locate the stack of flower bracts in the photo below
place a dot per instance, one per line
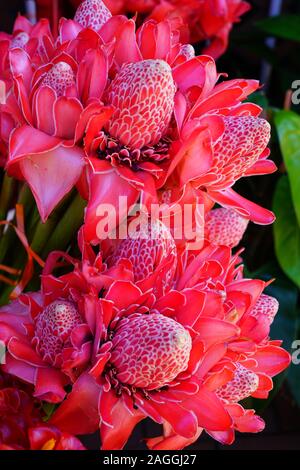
(149, 325)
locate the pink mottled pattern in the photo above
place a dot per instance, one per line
(92, 14)
(187, 51)
(143, 97)
(153, 245)
(244, 140)
(267, 306)
(243, 384)
(59, 77)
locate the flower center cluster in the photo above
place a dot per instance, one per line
(149, 351)
(92, 14)
(53, 328)
(117, 154)
(20, 40)
(243, 384)
(142, 95)
(59, 78)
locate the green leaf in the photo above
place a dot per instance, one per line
(288, 128)
(284, 26)
(286, 231)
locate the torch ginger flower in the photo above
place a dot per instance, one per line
(174, 356)
(50, 122)
(48, 334)
(160, 111)
(22, 426)
(184, 358)
(159, 380)
(197, 132)
(51, 329)
(233, 143)
(197, 20)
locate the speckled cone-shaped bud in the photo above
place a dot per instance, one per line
(53, 328)
(92, 14)
(149, 351)
(143, 97)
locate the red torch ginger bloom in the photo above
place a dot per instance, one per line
(53, 327)
(152, 254)
(54, 334)
(149, 351)
(225, 227)
(54, 104)
(251, 360)
(25, 36)
(49, 334)
(243, 141)
(244, 383)
(165, 141)
(28, 335)
(92, 14)
(233, 143)
(142, 96)
(129, 150)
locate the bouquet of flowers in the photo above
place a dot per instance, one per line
(117, 141)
